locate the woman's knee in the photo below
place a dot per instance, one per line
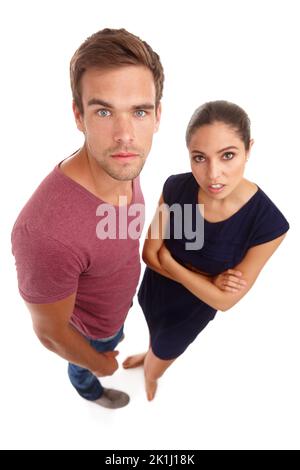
(154, 367)
(151, 374)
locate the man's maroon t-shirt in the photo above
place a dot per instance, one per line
(59, 248)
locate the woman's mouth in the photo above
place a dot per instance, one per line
(216, 188)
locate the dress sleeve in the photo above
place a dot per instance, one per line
(47, 270)
(168, 189)
(270, 224)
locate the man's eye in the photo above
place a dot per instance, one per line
(228, 155)
(140, 113)
(103, 112)
(199, 158)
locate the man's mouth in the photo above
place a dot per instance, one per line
(124, 155)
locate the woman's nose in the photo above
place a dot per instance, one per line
(214, 171)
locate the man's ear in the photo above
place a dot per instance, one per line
(78, 117)
(158, 116)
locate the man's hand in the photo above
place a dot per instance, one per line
(109, 364)
(230, 281)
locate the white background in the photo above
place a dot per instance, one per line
(238, 385)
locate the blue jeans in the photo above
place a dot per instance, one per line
(86, 383)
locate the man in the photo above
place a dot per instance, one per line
(77, 278)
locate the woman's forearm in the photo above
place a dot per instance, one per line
(198, 284)
(153, 263)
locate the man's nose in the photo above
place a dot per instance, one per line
(123, 130)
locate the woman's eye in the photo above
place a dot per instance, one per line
(103, 112)
(228, 155)
(140, 113)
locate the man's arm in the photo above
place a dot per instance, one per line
(51, 323)
(253, 262)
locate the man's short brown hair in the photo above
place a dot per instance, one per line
(112, 48)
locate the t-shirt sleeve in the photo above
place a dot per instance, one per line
(270, 224)
(47, 270)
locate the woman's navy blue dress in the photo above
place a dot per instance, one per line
(174, 315)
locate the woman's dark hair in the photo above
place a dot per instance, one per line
(220, 111)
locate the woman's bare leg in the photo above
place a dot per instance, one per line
(134, 361)
(154, 368)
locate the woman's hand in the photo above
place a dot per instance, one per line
(230, 281)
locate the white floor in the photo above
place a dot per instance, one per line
(237, 387)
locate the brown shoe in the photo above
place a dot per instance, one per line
(113, 399)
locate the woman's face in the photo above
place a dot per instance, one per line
(218, 158)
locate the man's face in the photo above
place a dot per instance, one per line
(119, 118)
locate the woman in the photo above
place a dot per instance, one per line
(183, 288)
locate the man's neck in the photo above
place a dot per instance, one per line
(92, 177)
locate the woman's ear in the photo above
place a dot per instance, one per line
(250, 144)
(249, 150)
